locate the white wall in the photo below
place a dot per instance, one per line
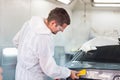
(43, 7)
(12, 15)
(105, 22)
(99, 22)
(80, 26)
(79, 31)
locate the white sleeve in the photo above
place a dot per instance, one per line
(47, 62)
(16, 39)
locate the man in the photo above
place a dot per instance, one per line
(35, 48)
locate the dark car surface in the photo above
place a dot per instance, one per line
(101, 64)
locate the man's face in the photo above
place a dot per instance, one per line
(59, 28)
(56, 28)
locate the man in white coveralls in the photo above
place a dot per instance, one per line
(35, 48)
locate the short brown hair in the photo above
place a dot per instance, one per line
(60, 15)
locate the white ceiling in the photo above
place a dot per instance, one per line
(76, 4)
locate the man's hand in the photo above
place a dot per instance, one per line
(73, 75)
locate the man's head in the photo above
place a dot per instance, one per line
(58, 19)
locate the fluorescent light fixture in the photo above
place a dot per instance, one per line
(107, 5)
(65, 1)
(10, 52)
(106, 1)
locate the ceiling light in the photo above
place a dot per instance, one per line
(65, 1)
(107, 5)
(10, 52)
(106, 1)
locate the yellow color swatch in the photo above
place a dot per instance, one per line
(82, 72)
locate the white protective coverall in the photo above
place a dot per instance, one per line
(35, 53)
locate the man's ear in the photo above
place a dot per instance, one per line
(53, 23)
